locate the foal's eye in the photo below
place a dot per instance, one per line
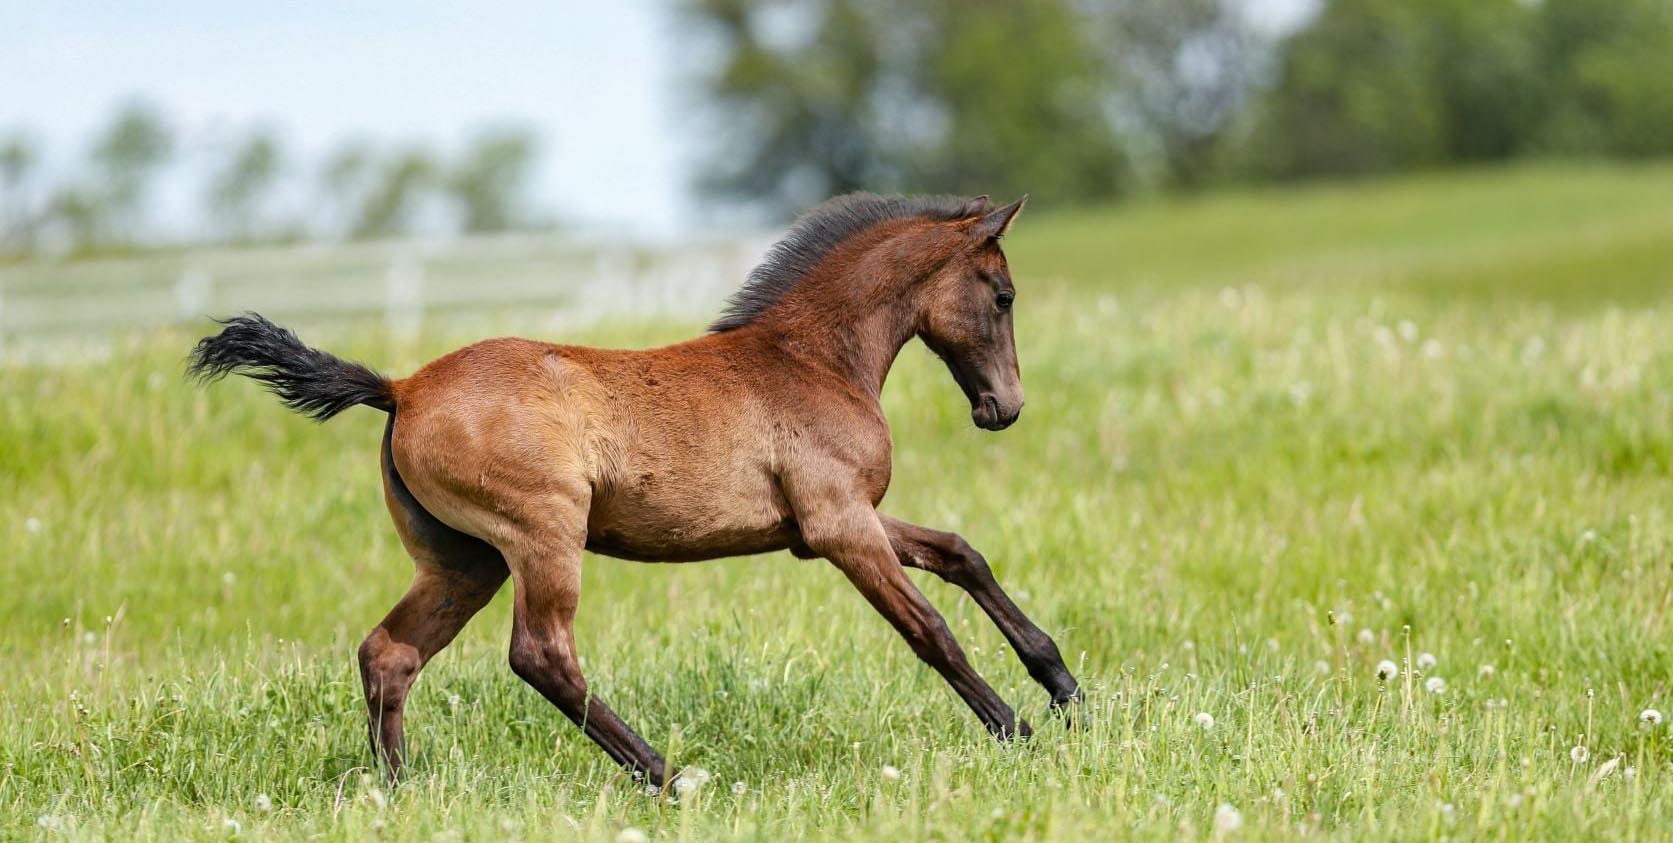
(1005, 299)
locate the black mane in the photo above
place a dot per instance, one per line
(813, 236)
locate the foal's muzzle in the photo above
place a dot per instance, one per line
(988, 415)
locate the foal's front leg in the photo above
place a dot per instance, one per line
(852, 537)
(950, 557)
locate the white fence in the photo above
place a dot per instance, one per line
(402, 282)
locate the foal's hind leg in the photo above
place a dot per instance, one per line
(435, 608)
(545, 563)
(951, 558)
(456, 576)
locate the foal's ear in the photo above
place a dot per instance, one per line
(975, 207)
(995, 223)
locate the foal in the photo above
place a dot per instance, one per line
(511, 456)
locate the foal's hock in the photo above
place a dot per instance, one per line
(510, 457)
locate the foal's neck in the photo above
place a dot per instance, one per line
(856, 311)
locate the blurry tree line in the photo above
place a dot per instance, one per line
(255, 190)
(1079, 100)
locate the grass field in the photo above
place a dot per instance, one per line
(1272, 440)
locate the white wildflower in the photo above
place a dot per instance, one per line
(1426, 661)
(1205, 720)
(264, 803)
(1387, 670)
(453, 700)
(1227, 819)
(891, 773)
(1484, 672)
(1649, 718)
(739, 788)
(1435, 685)
(632, 835)
(1579, 754)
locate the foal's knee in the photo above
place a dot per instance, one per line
(550, 667)
(387, 669)
(961, 564)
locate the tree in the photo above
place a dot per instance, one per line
(1611, 65)
(394, 194)
(126, 157)
(18, 159)
(1183, 71)
(820, 97)
(488, 182)
(344, 180)
(797, 118)
(1373, 86)
(244, 181)
(1023, 104)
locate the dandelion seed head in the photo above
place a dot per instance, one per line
(1435, 685)
(1367, 637)
(231, 827)
(632, 835)
(739, 788)
(1227, 819)
(1484, 672)
(1321, 666)
(1426, 661)
(1649, 717)
(1205, 720)
(264, 803)
(1387, 670)
(32, 524)
(1579, 754)
(890, 772)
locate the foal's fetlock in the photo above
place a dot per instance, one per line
(1067, 705)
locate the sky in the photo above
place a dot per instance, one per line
(599, 82)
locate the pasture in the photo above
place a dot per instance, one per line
(1272, 440)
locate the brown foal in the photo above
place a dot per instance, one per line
(510, 457)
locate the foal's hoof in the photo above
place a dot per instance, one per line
(1068, 707)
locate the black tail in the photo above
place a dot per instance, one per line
(308, 380)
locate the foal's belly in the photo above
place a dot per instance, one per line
(649, 521)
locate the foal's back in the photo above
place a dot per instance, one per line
(677, 449)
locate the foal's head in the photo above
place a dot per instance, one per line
(930, 264)
(965, 315)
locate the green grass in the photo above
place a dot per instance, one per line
(1271, 440)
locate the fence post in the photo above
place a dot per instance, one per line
(191, 292)
(404, 293)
